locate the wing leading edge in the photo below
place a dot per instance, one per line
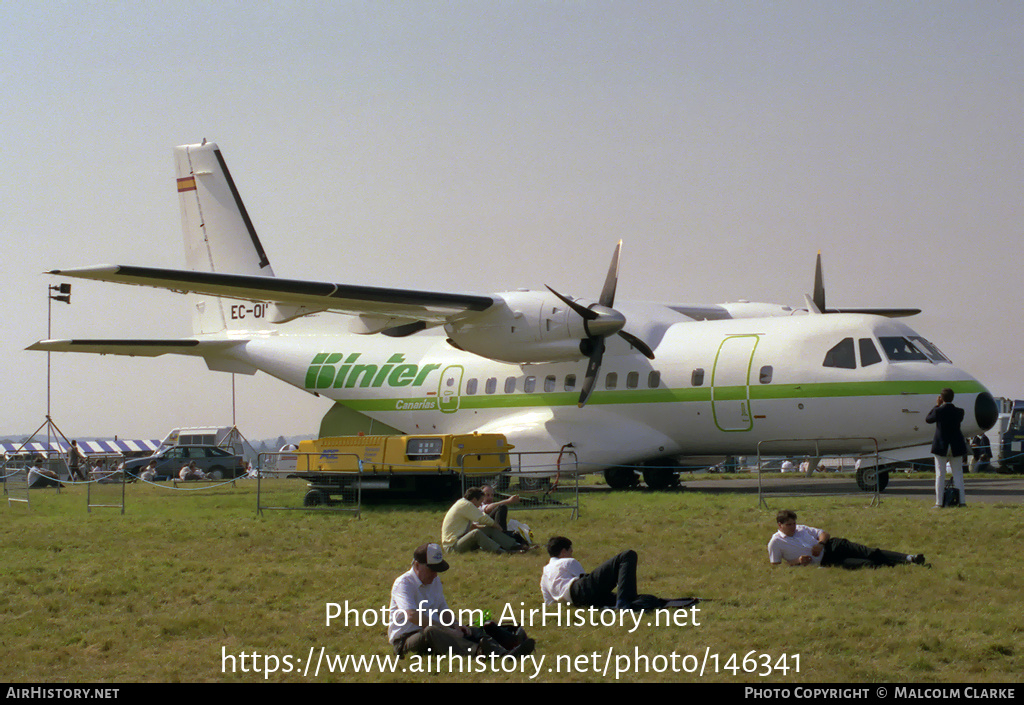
(435, 307)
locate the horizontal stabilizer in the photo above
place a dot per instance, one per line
(340, 298)
(137, 347)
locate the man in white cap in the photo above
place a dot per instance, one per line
(421, 621)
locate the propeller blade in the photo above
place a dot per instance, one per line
(640, 345)
(819, 286)
(611, 280)
(583, 311)
(592, 367)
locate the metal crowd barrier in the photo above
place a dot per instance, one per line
(539, 484)
(323, 486)
(815, 453)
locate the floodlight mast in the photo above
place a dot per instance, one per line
(63, 293)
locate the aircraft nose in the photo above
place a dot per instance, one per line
(986, 411)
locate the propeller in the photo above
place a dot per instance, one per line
(600, 320)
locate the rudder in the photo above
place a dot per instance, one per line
(219, 236)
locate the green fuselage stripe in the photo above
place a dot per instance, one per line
(665, 396)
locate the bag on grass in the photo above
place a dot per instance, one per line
(950, 495)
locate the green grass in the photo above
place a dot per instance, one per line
(155, 595)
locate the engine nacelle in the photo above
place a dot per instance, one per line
(526, 326)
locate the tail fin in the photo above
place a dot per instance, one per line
(219, 237)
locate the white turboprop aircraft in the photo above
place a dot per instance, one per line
(544, 369)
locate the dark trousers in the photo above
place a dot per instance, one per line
(44, 481)
(438, 640)
(852, 555)
(500, 516)
(612, 584)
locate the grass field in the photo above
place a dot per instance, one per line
(161, 593)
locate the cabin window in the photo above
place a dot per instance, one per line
(549, 383)
(654, 379)
(570, 382)
(632, 380)
(899, 349)
(611, 381)
(529, 384)
(491, 386)
(868, 352)
(766, 374)
(510, 385)
(841, 355)
(471, 386)
(697, 378)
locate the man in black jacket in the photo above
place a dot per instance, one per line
(948, 445)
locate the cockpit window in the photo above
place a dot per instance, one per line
(842, 355)
(901, 350)
(868, 352)
(933, 353)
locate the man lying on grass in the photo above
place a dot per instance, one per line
(796, 544)
(611, 585)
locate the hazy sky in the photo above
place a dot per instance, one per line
(481, 146)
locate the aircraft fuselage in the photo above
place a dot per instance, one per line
(715, 387)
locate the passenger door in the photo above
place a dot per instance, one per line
(730, 383)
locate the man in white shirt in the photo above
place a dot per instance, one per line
(497, 510)
(191, 472)
(38, 476)
(421, 621)
(612, 584)
(797, 545)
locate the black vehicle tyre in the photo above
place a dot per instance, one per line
(314, 498)
(216, 473)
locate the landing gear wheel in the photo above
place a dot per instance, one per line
(534, 484)
(314, 498)
(621, 478)
(661, 478)
(866, 479)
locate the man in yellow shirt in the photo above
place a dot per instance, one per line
(467, 528)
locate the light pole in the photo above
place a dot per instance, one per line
(63, 293)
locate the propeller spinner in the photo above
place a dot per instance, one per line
(600, 320)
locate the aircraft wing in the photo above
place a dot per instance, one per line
(436, 307)
(887, 312)
(745, 309)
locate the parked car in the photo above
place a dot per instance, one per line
(218, 463)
